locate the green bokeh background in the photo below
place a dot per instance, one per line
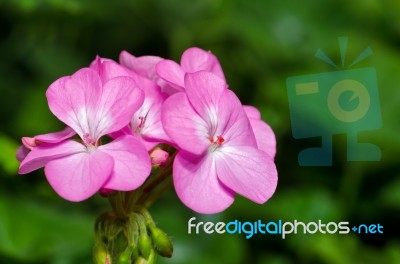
(260, 44)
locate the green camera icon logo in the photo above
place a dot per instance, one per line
(339, 102)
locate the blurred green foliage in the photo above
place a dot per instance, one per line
(260, 44)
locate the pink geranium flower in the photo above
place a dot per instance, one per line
(92, 107)
(192, 60)
(218, 154)
(146, 121)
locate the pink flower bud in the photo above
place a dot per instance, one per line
(159, 157)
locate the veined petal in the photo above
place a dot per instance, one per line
(29, 143)
(247, 171)
(96, 64)
(171, 72)
(233, 123)
(183, 125)
(90, 108)
(203, 90)
(252, 112)
(79, 176)
(146, 121)
(195, 59)
(265, 136)
(119, 100)
(109, 69)
(44, 153)
(132, 163)
(197, 185)
(22, 152)
(56, 137)
(144, 65)
(74, 99)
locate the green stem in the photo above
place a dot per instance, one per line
(164, 173)
(145, 213)
(152, 185)
(150, 200)
(131, 199)
(117, 204)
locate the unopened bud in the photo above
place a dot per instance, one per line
(120, 243)
(101, 254)
(162, 242)
(151, 259)
(159, 157)
(145, 246)
(125, 257)
(134, 251)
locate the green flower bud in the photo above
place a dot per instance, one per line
(150, 260)
(101, 254)
(133, 231)
(134, 251)
(120, 242)
(125, 257)
(162, 242)
(145, 246)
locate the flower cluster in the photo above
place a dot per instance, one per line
(124, 120)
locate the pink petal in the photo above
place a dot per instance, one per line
(252, 112)
(232, 122)
(171, 72)
(203, 90)
(44, 153)
(124, 131)
(145, 65)
(86, 106)
(183, 125)
(197, 185)
(73, 99)
(120, 99)
(146, 121)
(148, 143)
(79, 176)
(22, 152)
(132, 163)
(110, 69)
(57, 136)
(149, 87)
(96, 64)
(195, 59)
(265, 136)
(247, 171)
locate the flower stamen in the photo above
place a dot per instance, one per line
(141, 124)
(87, 140)
(216, 142)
